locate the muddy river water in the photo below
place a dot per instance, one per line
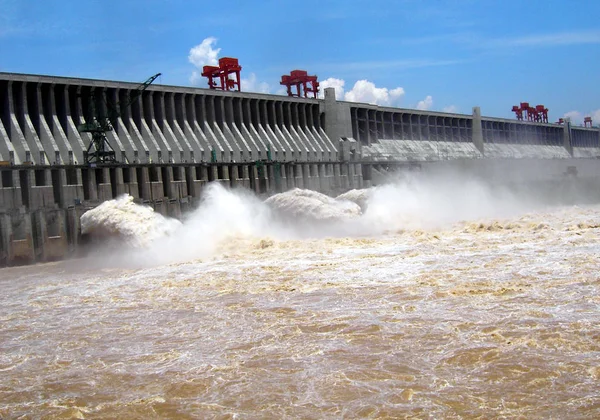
(493, 318)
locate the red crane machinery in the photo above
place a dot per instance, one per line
(521, 110)
(304, 83)
(560, 121)
(228, 66)
(537, 114)
(587, 122)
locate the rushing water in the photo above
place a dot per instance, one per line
(403, 311)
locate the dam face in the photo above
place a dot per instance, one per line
(172, 140)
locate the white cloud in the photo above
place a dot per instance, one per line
(362, 91)
(365, 91)
(337, 84)
(204, 54)
(425, 104)
(577, 117)
(251, 84)
(452, 109)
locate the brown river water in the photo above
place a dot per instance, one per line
(497, 318)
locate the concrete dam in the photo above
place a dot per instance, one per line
(173, 140)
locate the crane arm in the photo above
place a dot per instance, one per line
(115, 109)
(137, 92)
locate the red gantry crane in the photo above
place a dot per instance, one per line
(303, 83)
(537, 114)
(228, 66)
(587, 122)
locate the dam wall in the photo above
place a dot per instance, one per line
(386, 133)
(39, 116)
(171, 141)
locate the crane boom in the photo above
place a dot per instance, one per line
(115, 110)
(99, 125)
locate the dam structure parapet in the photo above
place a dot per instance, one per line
(171, 141)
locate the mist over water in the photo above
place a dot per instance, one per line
(225, 217)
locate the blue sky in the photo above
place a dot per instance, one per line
(441, 55)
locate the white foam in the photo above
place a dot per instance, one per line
(308, 205)
(121, 218)
(230, 216)
(360, 197)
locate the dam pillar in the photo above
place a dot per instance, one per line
(179, 188)
(4, 238)
(117, 182)
(358, 183)
(273, 179)
(50, 234)
(337, 178)
(477, 130)
(282, 186)
(90, 193)
(155, 181)
(338, 118)
(225, 175)
(68, 186)
(73, 227)
(254, 181)
(195, 181)
(323, 179)
(315, 181)
(306, 178)
(351, 175)
(567, 136)
(20, 239)
(234, 176)
(245, 181)
(38, 182)
(175, 190)
(299, 176)
(130, 181)
(10, 190)
(143, 181)
(103, 184)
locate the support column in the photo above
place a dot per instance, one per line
(234, 176)
(20, 247)
(283, 185)
(27, 153)
(246, 176)
(10, 190)
(477, 130)
(143, 180)
(291, 176)
(299, 176)
(568, 136)
(337, 180)
(5, 232)
(55, 129)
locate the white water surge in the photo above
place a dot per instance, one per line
(225, 217)
(123, 219)
(310, 205)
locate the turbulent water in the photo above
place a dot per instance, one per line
(415, 302)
